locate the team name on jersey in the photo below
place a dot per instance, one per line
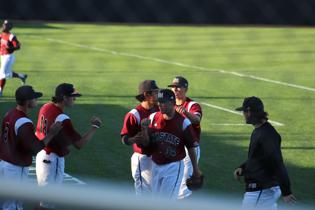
(159, 137)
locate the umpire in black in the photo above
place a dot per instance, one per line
(265, 174)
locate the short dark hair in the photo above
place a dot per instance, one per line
(56, 99)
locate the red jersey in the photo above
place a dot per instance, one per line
(194, 108)
(48, 114)
(18, 143)
(132, 125)
(7, 41)
(170, 138)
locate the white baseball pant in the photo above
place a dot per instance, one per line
(6, 66)
(166, 179)
(262, 199)
(188, 171)
(141, 166)
(49, 171)
(16, 173)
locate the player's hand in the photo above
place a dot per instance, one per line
(181, 110)
(96, 122)
(238, 173)
(55, 128)
(197, 173)
(289, 199)
(145, 123)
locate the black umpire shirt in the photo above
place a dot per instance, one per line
(264, 165)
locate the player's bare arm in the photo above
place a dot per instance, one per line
(193, 158)
(194, 119)
(95, 124)
(53, 131)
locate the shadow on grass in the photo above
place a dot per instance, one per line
(105, 158)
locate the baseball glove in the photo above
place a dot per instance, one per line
(141, 139)
(194, 183)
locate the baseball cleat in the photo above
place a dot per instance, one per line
(24, 79)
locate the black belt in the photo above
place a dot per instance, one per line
(250, 187)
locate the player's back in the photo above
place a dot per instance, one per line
(11, 149)
(46, 117)
(48, 114)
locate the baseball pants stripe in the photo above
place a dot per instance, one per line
(166, 179)
(49, 171)
(188, 171)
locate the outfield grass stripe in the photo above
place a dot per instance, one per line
(178, 63)
(237, 113)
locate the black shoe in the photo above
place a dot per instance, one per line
(24, 79)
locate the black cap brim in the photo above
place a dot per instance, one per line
(76, 95)
(239, 109)
(38, 94)
(175, 85)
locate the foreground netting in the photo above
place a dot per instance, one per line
(109, 196)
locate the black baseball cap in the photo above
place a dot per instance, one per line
(179, 81)
(166, 95)
(7, 25)
(145, 86)
(252, 104)
(26, 92)
(66, 89)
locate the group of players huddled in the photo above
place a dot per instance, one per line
(164, 130)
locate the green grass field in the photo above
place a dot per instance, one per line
(107, 62)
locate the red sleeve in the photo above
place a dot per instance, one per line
(131, 126)
(196, 109)
(190, 139)
(28, 140)
(70, 133)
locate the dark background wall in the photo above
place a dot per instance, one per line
(283, 12)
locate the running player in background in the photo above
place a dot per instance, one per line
(141, 162)
(168, 133)
(50, 162)
(18, 143)
(191, 110)
(8, 44)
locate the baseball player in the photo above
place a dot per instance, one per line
(8, 44)
(18, 143)
(170, 133)
(191, 110)
(141, 162)
(265, 174)
(50, 162)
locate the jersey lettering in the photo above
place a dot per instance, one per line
(6, 132)
(43, 125)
